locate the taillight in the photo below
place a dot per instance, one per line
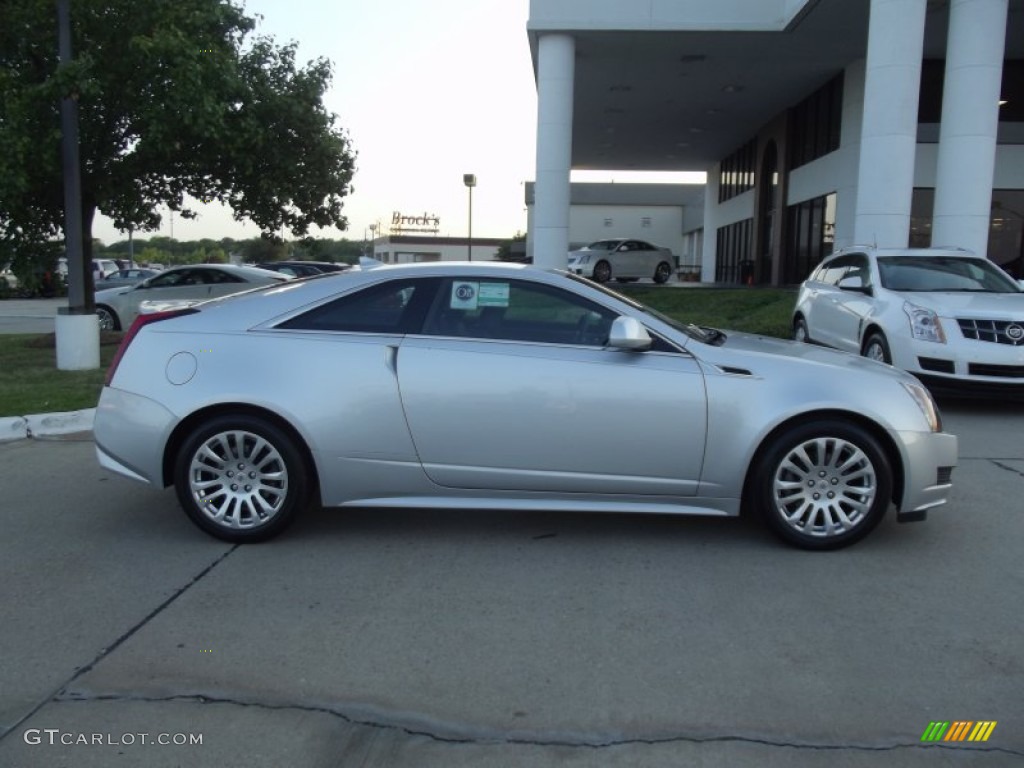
(136, 326)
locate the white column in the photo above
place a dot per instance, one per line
(78, 342)
(849, 154)
(556, 70)
(885, 183)
(970, 118)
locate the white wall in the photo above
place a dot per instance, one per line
(587, 224)
(403, 253)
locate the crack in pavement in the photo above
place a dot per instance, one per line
(104, 652)
(1014, 470)
(495, 737)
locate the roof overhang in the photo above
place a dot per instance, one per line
(661, 94)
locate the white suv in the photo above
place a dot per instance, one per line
(946, 315)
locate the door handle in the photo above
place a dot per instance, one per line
(391, 358)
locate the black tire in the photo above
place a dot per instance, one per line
(800, 332)
(662, 273)
(796, 472)
(602, 271)
(250, 449)
(109, 321)
(877, 348)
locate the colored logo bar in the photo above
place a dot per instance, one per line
(959, 730)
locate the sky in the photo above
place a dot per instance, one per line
(427, 90)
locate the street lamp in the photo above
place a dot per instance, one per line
(470, 181)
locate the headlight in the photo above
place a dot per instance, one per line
(581, 260)
(924, 324)
(927, 405)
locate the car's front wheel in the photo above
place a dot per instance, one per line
(241, 478)
(877, 348)
(663, 272)
(822, 485)
(602, 271)
(800, 330)
(108, 318)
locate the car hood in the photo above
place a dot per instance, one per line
(740, 347)
(965, 304)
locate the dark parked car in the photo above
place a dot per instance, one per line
(303, 268)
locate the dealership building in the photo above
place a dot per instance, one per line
(820, 123)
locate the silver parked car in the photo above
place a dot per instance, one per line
(623, 259)
(118, 307)
(495, 386)
(125, 277)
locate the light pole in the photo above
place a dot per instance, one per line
(373, 241)
(76, 327)
(470, 181)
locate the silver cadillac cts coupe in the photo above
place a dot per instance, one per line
(493, 386)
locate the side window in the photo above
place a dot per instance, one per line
(219, 276)
(393, 307)
(836, 269)
(859, 268)
(171, 279)
(517, 310)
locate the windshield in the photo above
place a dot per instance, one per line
(943, 274)
(705, 335)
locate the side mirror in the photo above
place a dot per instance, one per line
(629, 333)
(1021, 283)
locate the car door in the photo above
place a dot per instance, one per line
(825, 319)
(510, 386)
(629, 258)
(850, 302)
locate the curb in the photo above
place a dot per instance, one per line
(46, 424)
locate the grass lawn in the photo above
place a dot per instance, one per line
(31, 383)
(755, 310)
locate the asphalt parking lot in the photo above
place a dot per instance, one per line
(396, 638)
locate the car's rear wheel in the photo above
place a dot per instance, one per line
(602, 271)
(877, 348)
(822, 485)
(108, 318)
(663, 272)
(800, 330)
(240, 478)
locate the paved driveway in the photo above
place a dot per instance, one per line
(398, 638)
(29, 315)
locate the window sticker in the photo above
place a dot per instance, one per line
(493, 295)
(464, 295)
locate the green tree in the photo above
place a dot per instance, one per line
(506, 251)
(174, 98)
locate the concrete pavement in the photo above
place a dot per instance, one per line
(399, 638)
(29, 315)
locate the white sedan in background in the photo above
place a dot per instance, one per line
(953, 319)
(118, 307)
(623, 260)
